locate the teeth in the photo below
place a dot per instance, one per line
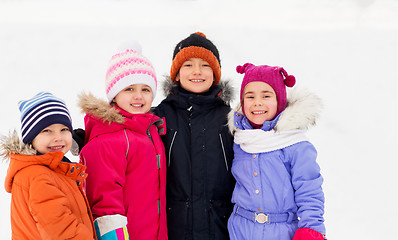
(55, 148)
(136, 105)
(258, 112)
(197, 80)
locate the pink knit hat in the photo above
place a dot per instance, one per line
(276, 77)
(129, 67)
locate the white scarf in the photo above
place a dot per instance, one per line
(258, 141)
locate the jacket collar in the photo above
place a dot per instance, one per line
(102, 118)
(224, 91)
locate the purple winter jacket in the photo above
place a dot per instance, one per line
(276, 173)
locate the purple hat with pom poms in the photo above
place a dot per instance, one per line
(276, 77)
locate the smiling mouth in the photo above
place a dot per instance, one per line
(137, 105)
(258, 112)
(56, 148)
(197, 80)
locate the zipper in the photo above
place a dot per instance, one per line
(171, 146)
(223, 151)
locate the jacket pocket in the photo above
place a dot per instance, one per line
(177, 218)
(226, 142)
(223, 151)
(173, 134)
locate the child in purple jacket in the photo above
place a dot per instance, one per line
(278, 193)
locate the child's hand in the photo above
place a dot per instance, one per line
(78, 138)
(308, 234)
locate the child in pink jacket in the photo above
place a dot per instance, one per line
(124, 154)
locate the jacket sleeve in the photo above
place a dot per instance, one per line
(106, 168)
(307, 182)
(51, 209)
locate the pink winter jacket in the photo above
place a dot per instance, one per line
(126, 163)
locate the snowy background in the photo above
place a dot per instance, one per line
(344, 50)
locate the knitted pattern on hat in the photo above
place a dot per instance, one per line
(129, 67)
(41, 111)
(276, 77)
(196, 46)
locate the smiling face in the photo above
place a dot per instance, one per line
(54, 138)
(195, 75)
(259, 102)
(135, 99)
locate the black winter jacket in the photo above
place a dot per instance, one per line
(199, 159)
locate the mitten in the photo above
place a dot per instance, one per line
(111, 227)
(308, 234)
(78, 141)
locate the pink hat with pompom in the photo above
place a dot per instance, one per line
(127, 67)
(276, 77)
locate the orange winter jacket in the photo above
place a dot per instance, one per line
(47, 200)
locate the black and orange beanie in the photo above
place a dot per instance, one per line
(196, 46)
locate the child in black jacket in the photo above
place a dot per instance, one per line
(197, 141)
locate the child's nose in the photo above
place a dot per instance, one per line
(137, 95)
(197, 69)
(57, 136)
(258, 102)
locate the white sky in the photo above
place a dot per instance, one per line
(344, 50)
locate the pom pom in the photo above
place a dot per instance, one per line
(130, 44)
(242, 69)
(201, 34)
(290, 81)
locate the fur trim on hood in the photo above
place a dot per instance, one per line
(99, 108)
(227, 89)
(302, 111)
(13, 144)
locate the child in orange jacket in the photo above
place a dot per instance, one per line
(47, 200)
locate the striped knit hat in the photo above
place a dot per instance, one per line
(196, 46)
(41, 111)
(128, 66)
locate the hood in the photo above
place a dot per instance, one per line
(227, 89)
(102, 118)
(23, 155)
(302, 111)
(101, 109)
(13, 144)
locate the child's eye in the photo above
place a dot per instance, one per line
(187, 65)
(65, 129)
(146, 90)
(128, 89)
(46, 131)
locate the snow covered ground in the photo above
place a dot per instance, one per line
(344, 50)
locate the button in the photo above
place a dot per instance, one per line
(257, 191)
(254, 156)
(259, 209)
(255, 174)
